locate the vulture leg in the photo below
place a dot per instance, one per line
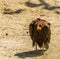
(36, 46)
(43, 49)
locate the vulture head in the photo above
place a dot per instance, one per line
(41, 24)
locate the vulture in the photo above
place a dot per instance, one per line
(40, 33)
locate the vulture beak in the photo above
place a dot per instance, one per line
(39, 27)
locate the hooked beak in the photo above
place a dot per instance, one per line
(39, 27)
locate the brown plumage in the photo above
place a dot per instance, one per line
(40, 33)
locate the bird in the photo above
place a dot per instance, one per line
(40, 33)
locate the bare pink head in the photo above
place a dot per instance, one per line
(39, 21)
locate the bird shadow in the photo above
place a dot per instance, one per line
(57, 12)
(34, 53)
(42, 3)
(47, 6)
(10, 12)
(32, 5)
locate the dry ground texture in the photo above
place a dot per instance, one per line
(15, 17)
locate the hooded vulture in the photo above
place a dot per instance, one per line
(40, 33)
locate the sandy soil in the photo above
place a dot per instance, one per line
(15, 17)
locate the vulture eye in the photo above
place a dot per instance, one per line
(49, 24)
(39, 25)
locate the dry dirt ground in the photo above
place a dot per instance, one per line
(15, 17)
